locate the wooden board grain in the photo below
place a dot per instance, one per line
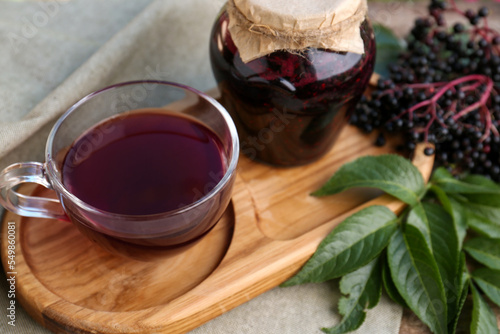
(271, 228)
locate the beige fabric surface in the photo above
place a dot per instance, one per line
(56, 52)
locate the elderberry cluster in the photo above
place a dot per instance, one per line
(443, 92)
(436, 52)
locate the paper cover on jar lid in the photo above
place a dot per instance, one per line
(260, 27)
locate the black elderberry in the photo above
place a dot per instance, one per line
(428, 151)
(441, 35)
(367, 128)
(427, 101)
(443, 156)
(469, 13)
(483, 43)
(483, 12)
(474, 20)
(458, 28)
(380, 141)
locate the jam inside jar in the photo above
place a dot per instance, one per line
(289, 107)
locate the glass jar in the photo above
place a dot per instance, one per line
(289, 107)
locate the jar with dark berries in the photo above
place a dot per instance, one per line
(290, 73)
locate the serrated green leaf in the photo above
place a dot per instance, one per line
(444, 180)
(363, 288)
(462, 275)
(481, 218)
(457, 212)
(416, 276)
(491, 199)
(485, 251)
(352, 321)
(482, 225)
(368, 279)
(452, 327)
(389, 286)
(389, 172)
(489, 212)
(386, 55)
(388, 48)
(462, 290)
(489, 281)
(418, 218)
(483, 318)
(352, 244)
(446, 251)
(480, 180)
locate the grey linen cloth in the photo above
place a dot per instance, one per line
(55, 52)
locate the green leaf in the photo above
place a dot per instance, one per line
(488, 212)
(459, 215)
(389, 172)
(481, 218)
(489, 281)
(446, 251)
(388, 48)
(490, 199)
(480, 180)
(462, 293)
(444, 180)
(483, 318)
(416, 276)
(418, 218)
(363, 287)
(485, 251)
(483, 225)
(452, 327)
(457, 212)
(389, 286)
(352, 244)
(462, 275)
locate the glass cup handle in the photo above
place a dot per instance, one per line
(23, 205)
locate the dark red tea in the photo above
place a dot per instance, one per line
(144, 162)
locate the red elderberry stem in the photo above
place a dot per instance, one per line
(481, 32)
(429, 124)
(455, 8)
(439, 89)
(471, 87)
(487, 122)
(484, 97)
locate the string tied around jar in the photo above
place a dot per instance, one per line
(260, 27)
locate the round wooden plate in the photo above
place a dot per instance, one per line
(272, 227)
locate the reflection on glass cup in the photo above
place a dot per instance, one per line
(145, 163)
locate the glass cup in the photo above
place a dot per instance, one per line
(171, 228)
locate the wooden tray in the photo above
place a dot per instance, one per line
(271, 228)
